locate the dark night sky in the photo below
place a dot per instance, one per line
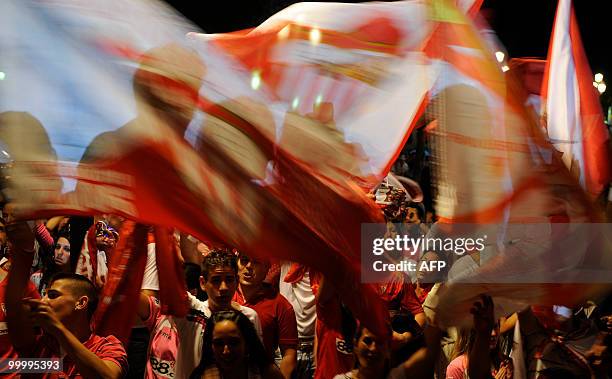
(524, 26)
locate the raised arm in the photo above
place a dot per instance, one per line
(44, 237)
(89, 365)
(20, 326)
(422, 363)
(479, 361)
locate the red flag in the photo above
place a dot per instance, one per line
(575, 121)
(172, 288)
(116, 310)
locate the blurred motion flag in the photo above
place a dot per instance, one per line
(470, 7)
(363, 61)
(497, 177)
(574, 118)
(530, 73)
(259, 140)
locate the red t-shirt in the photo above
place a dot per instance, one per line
(107, 348)
(334, 356)
(399, 294)
(6, 347)
(277, 319)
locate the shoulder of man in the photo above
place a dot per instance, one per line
(109, 348)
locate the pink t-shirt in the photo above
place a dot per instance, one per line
(163, 346)
(457, 369)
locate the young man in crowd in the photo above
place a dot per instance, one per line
(276, 314)
(219, 279)
(64, 315)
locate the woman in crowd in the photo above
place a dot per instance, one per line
(232, 350)
(373, 357)
(58, 262)
(477, 353)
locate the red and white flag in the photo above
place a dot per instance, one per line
(497, 178)
(286, 122)
(574, 118)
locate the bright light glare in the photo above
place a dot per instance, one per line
(595, 84)
(500, 56)
(2, 75)
(315, 36)
(318, 99)
(601, 87)
(295, 103)
(599, 77)
(505, 68)
(255, 80)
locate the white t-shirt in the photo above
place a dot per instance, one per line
(302, 299)
(191, 334)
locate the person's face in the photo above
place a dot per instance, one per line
(424, 276)
(105, 241)
(220, 287)
(370, 351)
(494, 337)
(62, 300)
(62, 252)
(251, 271)
(2, 235)
(412, 215)
(228, 344)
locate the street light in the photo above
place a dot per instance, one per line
(601, 87)
(599, 83)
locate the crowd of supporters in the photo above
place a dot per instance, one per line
(253, 318)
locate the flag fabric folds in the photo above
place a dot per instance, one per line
(263, 140)
(498, 177)
(574, 119)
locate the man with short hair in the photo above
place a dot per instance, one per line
(219, 279)
(64, 315)
(276, 313)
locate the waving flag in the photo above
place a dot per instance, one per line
(574, 119)
(496, 177)
(258, 140)
(363, 61)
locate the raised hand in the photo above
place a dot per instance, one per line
(41, 314)
(484, 319)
